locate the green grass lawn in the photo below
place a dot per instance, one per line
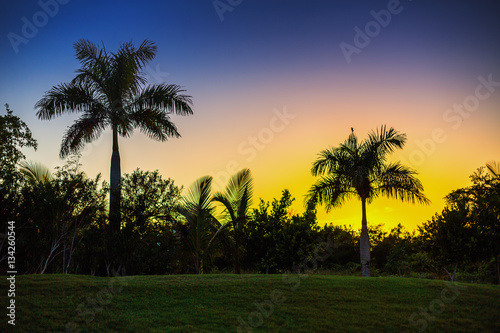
(249, 303)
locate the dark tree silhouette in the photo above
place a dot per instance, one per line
(201, 226)
(237, 199)
(360, 169)
(110, 90)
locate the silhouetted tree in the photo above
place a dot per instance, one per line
(275, 239)
(14, 135)
(360, 169)
(110, 91)
(200, 225)
(484, 197)
(467, 231)
(148, 212)
(393, 252)
(237, 199)
(148, 198)
(54, 215)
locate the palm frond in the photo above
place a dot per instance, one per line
(95, 79)
(199, 194)
(165, 97)
(229, 209)
(328, 161)
(331, 191)
(245, 202)
(237, 197)
(65, 97)
(145, 53)
(493, 168)
(196, 208)
(380, 143)
(384, 141)
(87, 52)
(138, 56)
(154, 123)
(126, 67)
(400, 182)
(84, 130)
(239, 185)
(35, 172)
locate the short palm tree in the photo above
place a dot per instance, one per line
(493, 168)
(360, 169)
(35, 172)
(201, 226)
(237, 199)
(110, 91)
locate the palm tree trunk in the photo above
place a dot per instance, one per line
(364, 243)
(237, 268)
(114, 193)
(498, 268)
(199, 256)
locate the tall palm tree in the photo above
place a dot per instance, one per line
(197, 209)
(360, 169)
(237, 199)
(110, 91)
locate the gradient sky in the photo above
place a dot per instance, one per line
(270, 58)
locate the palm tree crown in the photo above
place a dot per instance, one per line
(237, 199)
(201, 226)
(360, 169)
(110, 91)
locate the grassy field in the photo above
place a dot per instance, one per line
(249, 303)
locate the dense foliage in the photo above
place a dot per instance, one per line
(62, 226)
(14, 135)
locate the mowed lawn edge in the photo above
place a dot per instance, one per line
(247, 303)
